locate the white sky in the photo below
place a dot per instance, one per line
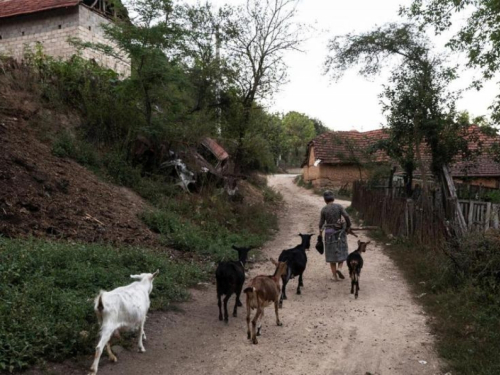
(353, 102)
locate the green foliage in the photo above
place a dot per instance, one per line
(46, 312)
(319, 127)
(478, 33)
(419, 107)
(299, 130)
(493, 196)
(66, 146)
(299, 180)
(212, 226)
(461, 287)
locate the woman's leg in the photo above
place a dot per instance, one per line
(333, 267)
(340, 264)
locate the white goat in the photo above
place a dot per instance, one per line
(123, 308)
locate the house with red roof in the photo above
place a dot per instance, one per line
(50, 23)
(336, 159)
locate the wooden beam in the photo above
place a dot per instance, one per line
(461, 226)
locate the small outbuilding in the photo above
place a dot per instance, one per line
(337, 159)
(50, 23)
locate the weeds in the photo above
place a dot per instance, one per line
(461, 285)
(46, 307)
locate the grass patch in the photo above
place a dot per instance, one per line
(209, 226)
(46, 311)
(299, 181)
(461, 284)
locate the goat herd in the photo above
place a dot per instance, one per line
(125, 308)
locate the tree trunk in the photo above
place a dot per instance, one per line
(419, 155)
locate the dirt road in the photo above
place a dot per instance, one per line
(325, 330)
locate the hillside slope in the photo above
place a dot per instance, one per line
(45, 196)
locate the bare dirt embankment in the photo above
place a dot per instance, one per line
(325, 330)
(42, 195)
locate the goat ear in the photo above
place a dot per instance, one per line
(273, 261)
(359, 242)
(137, 277)
(155, 274)
(300, 234)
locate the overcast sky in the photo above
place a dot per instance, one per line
(353, 102)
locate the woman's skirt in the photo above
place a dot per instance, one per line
(335, 245)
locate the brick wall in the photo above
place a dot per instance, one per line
(52, 29)
(90, 30)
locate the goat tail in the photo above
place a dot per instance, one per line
(99, 305)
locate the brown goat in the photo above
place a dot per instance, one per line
(262, 292)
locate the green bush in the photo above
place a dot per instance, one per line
(46, 309)
(66, 146)
(208, 238)
(119, 171)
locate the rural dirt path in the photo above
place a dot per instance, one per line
(325, 331)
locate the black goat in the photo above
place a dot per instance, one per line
(230, 277)
(355, 263)
(296, 260)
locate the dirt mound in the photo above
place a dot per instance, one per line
(45, 196)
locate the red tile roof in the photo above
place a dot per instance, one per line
(340, 148)
(483, 165)
(9, 8)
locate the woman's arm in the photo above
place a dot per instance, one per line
(345, 215)
(321, 221)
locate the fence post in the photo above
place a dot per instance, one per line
(470, 219)
(496, 215)
(488, 216)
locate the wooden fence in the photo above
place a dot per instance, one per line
(480, 215)
(422, 220)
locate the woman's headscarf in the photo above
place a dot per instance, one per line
(329, 196)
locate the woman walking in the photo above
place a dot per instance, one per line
(335, 233)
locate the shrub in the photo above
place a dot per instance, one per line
(45, 300)
(66, 146)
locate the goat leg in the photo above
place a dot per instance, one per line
(278, 322)
(248, 317)
(111, 355)
(300, 284)
(141, 336)
(259, 326)
(219, 303)
(105, 337)
(238, 302)
(254, 324)
(226, 315)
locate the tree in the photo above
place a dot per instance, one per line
(319, 127)
(421, 110)
(479, 37)
(153, 42)
(264, 31)
(298, 131)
